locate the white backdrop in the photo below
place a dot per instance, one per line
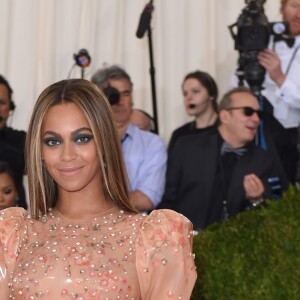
(39, 37)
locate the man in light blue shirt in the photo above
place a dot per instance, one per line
(144, 152)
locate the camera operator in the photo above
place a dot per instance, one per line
(281, 85)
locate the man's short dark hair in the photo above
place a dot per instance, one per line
(226, 100)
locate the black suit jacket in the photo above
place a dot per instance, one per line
(191, 174)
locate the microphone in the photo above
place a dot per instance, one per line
(193, 105)
(145, 19)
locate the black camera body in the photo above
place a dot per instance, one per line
(112, 95)
(253, 28)
(252, 35)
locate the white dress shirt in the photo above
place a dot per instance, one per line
(285, 99)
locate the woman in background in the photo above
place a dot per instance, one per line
(83, 238)
(200, 94)
(12, 141)
(8, 190)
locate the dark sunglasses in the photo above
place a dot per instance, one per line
(248, 111)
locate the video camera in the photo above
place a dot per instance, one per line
(252, 35)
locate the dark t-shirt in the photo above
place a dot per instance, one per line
(188, 129)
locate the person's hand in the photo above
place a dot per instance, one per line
(271, 62)
(254, 187)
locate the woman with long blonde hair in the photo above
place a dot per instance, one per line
(83, 239)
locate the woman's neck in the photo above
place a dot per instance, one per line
(206, 120)
(76, 205)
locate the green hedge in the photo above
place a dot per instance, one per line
(255, 255)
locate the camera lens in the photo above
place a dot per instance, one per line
(112, 95)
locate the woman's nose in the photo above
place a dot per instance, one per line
(68, 151)
(188, 97)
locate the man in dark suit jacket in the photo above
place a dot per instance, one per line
(215, 175)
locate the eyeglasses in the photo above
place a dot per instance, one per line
(248, 111)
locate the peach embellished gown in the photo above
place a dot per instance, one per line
(117, 255)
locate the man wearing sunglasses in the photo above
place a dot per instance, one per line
(215, 175)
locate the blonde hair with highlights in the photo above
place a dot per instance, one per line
(42, 188)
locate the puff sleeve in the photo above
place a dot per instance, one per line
(10, 237)
(165, 263)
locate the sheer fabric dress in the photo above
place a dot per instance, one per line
(116, 255)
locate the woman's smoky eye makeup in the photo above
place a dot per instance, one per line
(81, 138)
(51, 141)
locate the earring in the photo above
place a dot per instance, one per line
(17, 201)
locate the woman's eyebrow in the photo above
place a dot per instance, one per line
(53, 133)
